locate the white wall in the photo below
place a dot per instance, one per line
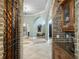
(31, 20)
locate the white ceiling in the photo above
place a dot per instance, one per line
(34, 6)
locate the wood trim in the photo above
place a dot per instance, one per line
(11, 14)
(8, 19)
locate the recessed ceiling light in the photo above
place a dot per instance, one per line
(28, 8)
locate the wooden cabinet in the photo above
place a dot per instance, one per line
(60, 53)
(68, 13)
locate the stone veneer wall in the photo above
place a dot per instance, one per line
(77, 29)
(1, 28)
(21, 27)
(58, 35)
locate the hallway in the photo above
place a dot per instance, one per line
(39, 29)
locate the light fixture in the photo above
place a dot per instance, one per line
(28, 8)
(50, 21)
(24, 25)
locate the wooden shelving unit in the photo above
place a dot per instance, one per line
(76, 28)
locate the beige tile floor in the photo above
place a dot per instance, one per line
(37, 49)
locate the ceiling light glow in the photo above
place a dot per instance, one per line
(24, 24)
(28, 8)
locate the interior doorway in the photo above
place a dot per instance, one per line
(37, 40)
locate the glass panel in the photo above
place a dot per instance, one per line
(66, 14)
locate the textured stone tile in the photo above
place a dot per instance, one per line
(37, 51)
